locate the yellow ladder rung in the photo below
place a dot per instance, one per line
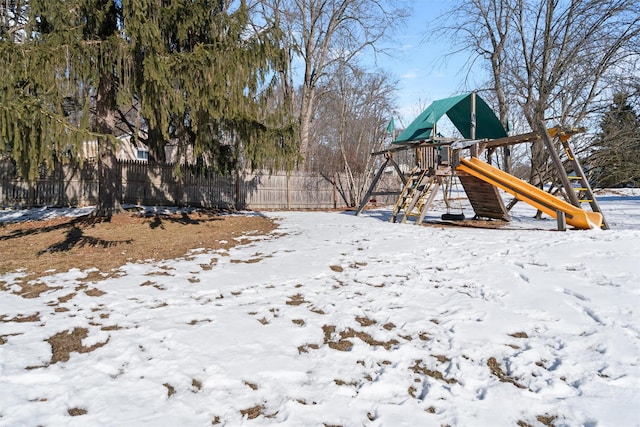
(586, 200)
(575, 177)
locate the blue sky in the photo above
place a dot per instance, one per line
(420, 63)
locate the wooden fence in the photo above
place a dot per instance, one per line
(64, 186)
(168, 185)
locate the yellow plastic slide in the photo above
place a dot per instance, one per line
(534, 196)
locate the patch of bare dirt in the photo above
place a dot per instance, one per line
(305, 348)
(170, 389)
(21, 318)
(253, 412)
(74, 412)
(344, 344)
(296, 299)
(3, 338)
(519, 335)
(546, 420)
(63, 343)
(419, 368)
(496, 370)
(40, 247)
(365, 321)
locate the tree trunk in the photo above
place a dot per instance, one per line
(306, 115)
(109, 185)
(109, 173)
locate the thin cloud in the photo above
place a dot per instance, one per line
(410, 75)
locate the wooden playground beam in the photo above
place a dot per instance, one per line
(436, 142)
(511, 140)
(563, 134)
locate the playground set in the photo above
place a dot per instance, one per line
(439, 160)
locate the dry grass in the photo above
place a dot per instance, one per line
(419, 368)
(343, 344)
(63, 343)
(63, 243)
(496, 370)
(253, 412)
(60, 244)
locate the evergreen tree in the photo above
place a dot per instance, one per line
(195, 71)
(39, 80)
(203, 80)
(615, 157)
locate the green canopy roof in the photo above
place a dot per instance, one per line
(458, 109)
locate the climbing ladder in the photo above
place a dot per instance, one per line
(407, 193)
(579, 182)
(418, 194)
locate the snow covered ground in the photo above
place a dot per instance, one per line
(342, 320)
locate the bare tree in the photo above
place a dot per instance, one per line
(559, 68)
(351, 123)
(557, 58)
(325, 35)
(484, 27)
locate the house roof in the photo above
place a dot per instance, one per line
(458, 109)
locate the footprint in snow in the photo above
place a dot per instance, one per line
(575, 295)
(590, 313)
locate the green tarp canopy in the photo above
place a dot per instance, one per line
(458, 109)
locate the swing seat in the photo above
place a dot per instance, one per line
(452, 217)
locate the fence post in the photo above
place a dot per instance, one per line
(236, 196)
(60, 184)
(288, 191)
(31, 195)
(178, 197)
